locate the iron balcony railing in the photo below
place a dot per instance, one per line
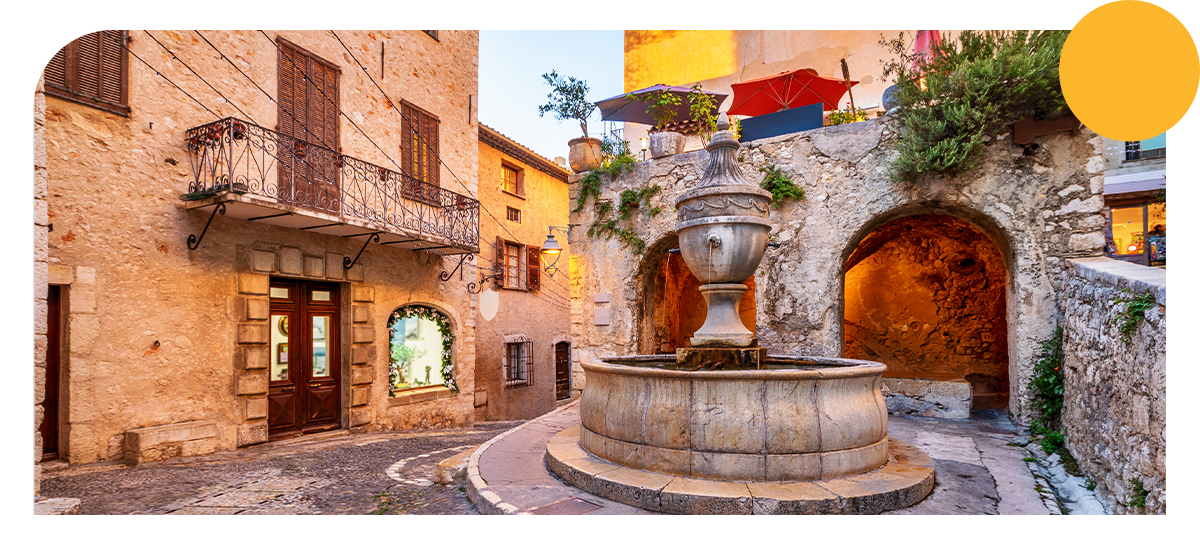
(246, 159)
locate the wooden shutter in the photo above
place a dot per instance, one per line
(92, 70)
(501, 265)
(533, 257)
(308, 111)
(419, 146)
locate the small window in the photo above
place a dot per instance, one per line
(512, 180)
(514, 215)
(92, 70)
(518, 364)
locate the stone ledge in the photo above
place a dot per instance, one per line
(57, 506)
(453, 469)
(1119, 273)
(406, 397)
(907, 478)
(928, 395)
(167, 441)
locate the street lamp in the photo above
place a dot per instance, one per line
(551, 250)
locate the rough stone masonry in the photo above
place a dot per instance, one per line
(1038, 209)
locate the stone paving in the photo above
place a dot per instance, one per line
(978, 471)
(371, 473)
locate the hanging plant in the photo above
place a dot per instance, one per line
(443, 324)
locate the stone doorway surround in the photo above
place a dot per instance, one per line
(81, 326)
(252, 357)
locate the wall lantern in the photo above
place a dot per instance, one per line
(551, 250)
(645, 141)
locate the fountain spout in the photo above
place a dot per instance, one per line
(722, 226)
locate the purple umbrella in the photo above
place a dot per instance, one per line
(625, 108)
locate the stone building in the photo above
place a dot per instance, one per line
(1135, 185)
(235, 231)
(522, 329)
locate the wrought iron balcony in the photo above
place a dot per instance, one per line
(262, 171)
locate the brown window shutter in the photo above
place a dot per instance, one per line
(290, 77)
(534, 264)
(110, 89)
(435, 166)
(56, 70)
(501, 255)
(406, 139)
(92, 70)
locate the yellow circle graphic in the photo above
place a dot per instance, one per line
(1129, 70)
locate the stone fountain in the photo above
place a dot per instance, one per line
(721, 427)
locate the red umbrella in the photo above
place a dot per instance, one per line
(785, 91)
(923, 45)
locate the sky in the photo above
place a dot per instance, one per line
(511, 65)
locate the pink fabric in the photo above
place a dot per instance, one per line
(923, 45)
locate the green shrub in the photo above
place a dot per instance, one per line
(780, 186)
(974, 86)
(1047, 385)
(1134, 311)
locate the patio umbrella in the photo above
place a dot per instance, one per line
(627, 109)
(785, 91)
(923, 45)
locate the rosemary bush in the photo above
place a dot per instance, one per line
(973, 86)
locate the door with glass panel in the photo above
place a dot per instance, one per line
(305, 394)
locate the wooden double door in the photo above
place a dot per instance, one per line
(305, 376)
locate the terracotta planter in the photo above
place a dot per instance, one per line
(585, 154)
(663, 144)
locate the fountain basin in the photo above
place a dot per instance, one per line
(799, 419)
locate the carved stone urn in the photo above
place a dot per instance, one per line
(722, 226)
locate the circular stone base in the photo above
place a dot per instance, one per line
(903, 481)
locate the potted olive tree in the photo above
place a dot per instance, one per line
(568, 101)
(661, 106)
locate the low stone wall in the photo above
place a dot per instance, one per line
(928, 396)
(1115, 411)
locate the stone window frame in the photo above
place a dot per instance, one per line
(516, 183)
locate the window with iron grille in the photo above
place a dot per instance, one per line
(514, 215)
(518, 364)
(512, 180)
(92, 70)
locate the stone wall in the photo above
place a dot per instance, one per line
(1115, 411)
(541, 316)
(925, 295)
(1038, 209)
(40, 274)
(158, 334)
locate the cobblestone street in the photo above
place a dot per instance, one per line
(372, 473)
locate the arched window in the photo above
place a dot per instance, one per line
(421, 349)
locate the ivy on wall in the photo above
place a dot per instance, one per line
(443, 324)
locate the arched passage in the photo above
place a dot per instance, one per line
(671, 303)
(925, 294)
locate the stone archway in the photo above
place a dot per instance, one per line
(672, 308)
(926, 295)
